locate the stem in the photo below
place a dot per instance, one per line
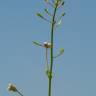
(51, 51)
(47, 59)
(19, 93)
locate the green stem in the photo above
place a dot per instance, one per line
(47, 59)
(19, 93)
(51, 52)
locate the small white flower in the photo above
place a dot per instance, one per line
(47, 45)
(45, 42)
(12, 87)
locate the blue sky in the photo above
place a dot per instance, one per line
(22, 63)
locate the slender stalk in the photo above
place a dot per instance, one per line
(47, 59)
(19, 93)
(51, 51)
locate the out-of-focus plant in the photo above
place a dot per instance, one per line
(12, 88)
(55, 22)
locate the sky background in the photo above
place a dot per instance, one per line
(22, 63)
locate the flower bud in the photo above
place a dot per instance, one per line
(46, 10)
(57, 2)
(63, 14)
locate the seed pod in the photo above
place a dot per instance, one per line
(61, 50)
(40, 15)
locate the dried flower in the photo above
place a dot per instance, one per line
(12, 87)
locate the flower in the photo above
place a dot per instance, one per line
(47, 45)
(12, 87)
